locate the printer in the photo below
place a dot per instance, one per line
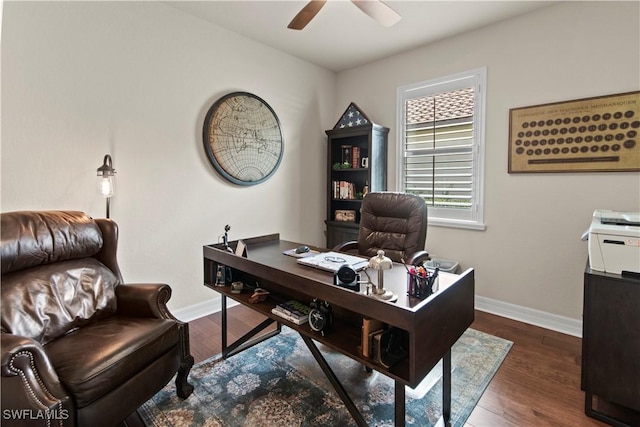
(614, 241)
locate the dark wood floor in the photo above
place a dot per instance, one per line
(538, 384)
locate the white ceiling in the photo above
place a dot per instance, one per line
(341, 36)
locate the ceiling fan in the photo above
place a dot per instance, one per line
(376, 9)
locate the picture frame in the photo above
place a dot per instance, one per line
(598, 134)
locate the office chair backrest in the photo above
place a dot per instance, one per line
(393, 222)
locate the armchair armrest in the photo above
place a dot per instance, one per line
(144, 300)
(346, 246)
(29, 381)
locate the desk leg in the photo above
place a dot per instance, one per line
(331, 376)
(223, 308)
(400, 404)
(247, 340)
(446, 388)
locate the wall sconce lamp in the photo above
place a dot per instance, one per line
(106, 182)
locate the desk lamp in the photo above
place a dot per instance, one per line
(106, 182)
(382, 263)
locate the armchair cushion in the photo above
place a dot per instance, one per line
(48, 301)
(120, 348)
(36, 238)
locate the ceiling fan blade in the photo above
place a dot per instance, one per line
(306, 14)
(379, 11)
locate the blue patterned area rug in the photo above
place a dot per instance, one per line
(278, 383)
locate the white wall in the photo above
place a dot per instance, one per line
(135, 79)
(530, 254)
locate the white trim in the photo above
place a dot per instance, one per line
(201, 309)
(565, 325)
(477, 78)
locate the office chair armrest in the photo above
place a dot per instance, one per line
(346, 246)
(418, 258)
(29, 380)
(144, 300)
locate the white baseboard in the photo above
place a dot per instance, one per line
(201, 309)
(565, 325)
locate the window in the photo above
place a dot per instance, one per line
(441, 147)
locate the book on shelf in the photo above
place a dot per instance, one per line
(293, 311)
(355, 162)
(370, 328)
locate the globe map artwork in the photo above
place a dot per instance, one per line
(242, 138)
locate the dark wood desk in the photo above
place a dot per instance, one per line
(611, 348)
(433, 324)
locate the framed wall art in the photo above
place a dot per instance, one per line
(597, 134)
(242, 138)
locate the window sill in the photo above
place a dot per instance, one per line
(469, 225)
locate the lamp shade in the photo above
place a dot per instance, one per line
(105, 173)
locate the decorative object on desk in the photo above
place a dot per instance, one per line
(346, 277)
(106, 176)
(225, 238)
(278, 383)
(421, 283)
(598, 134)
(382, 263)
(241, 248)
(223, 274)
(243, 139)
(345, 215)
(258, 295)
(237, 287)
(320, 316)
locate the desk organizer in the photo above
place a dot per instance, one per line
(421, 282)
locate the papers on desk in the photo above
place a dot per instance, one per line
(332, 261)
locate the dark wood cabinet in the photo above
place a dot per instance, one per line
(349, 177)
(611, 347)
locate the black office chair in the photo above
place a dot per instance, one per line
(393, 222)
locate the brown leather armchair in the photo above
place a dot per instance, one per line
(393, 222)
(80, 347)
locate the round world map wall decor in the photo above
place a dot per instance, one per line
(242, 138)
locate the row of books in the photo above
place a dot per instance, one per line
(293, 311)
(344, 190)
